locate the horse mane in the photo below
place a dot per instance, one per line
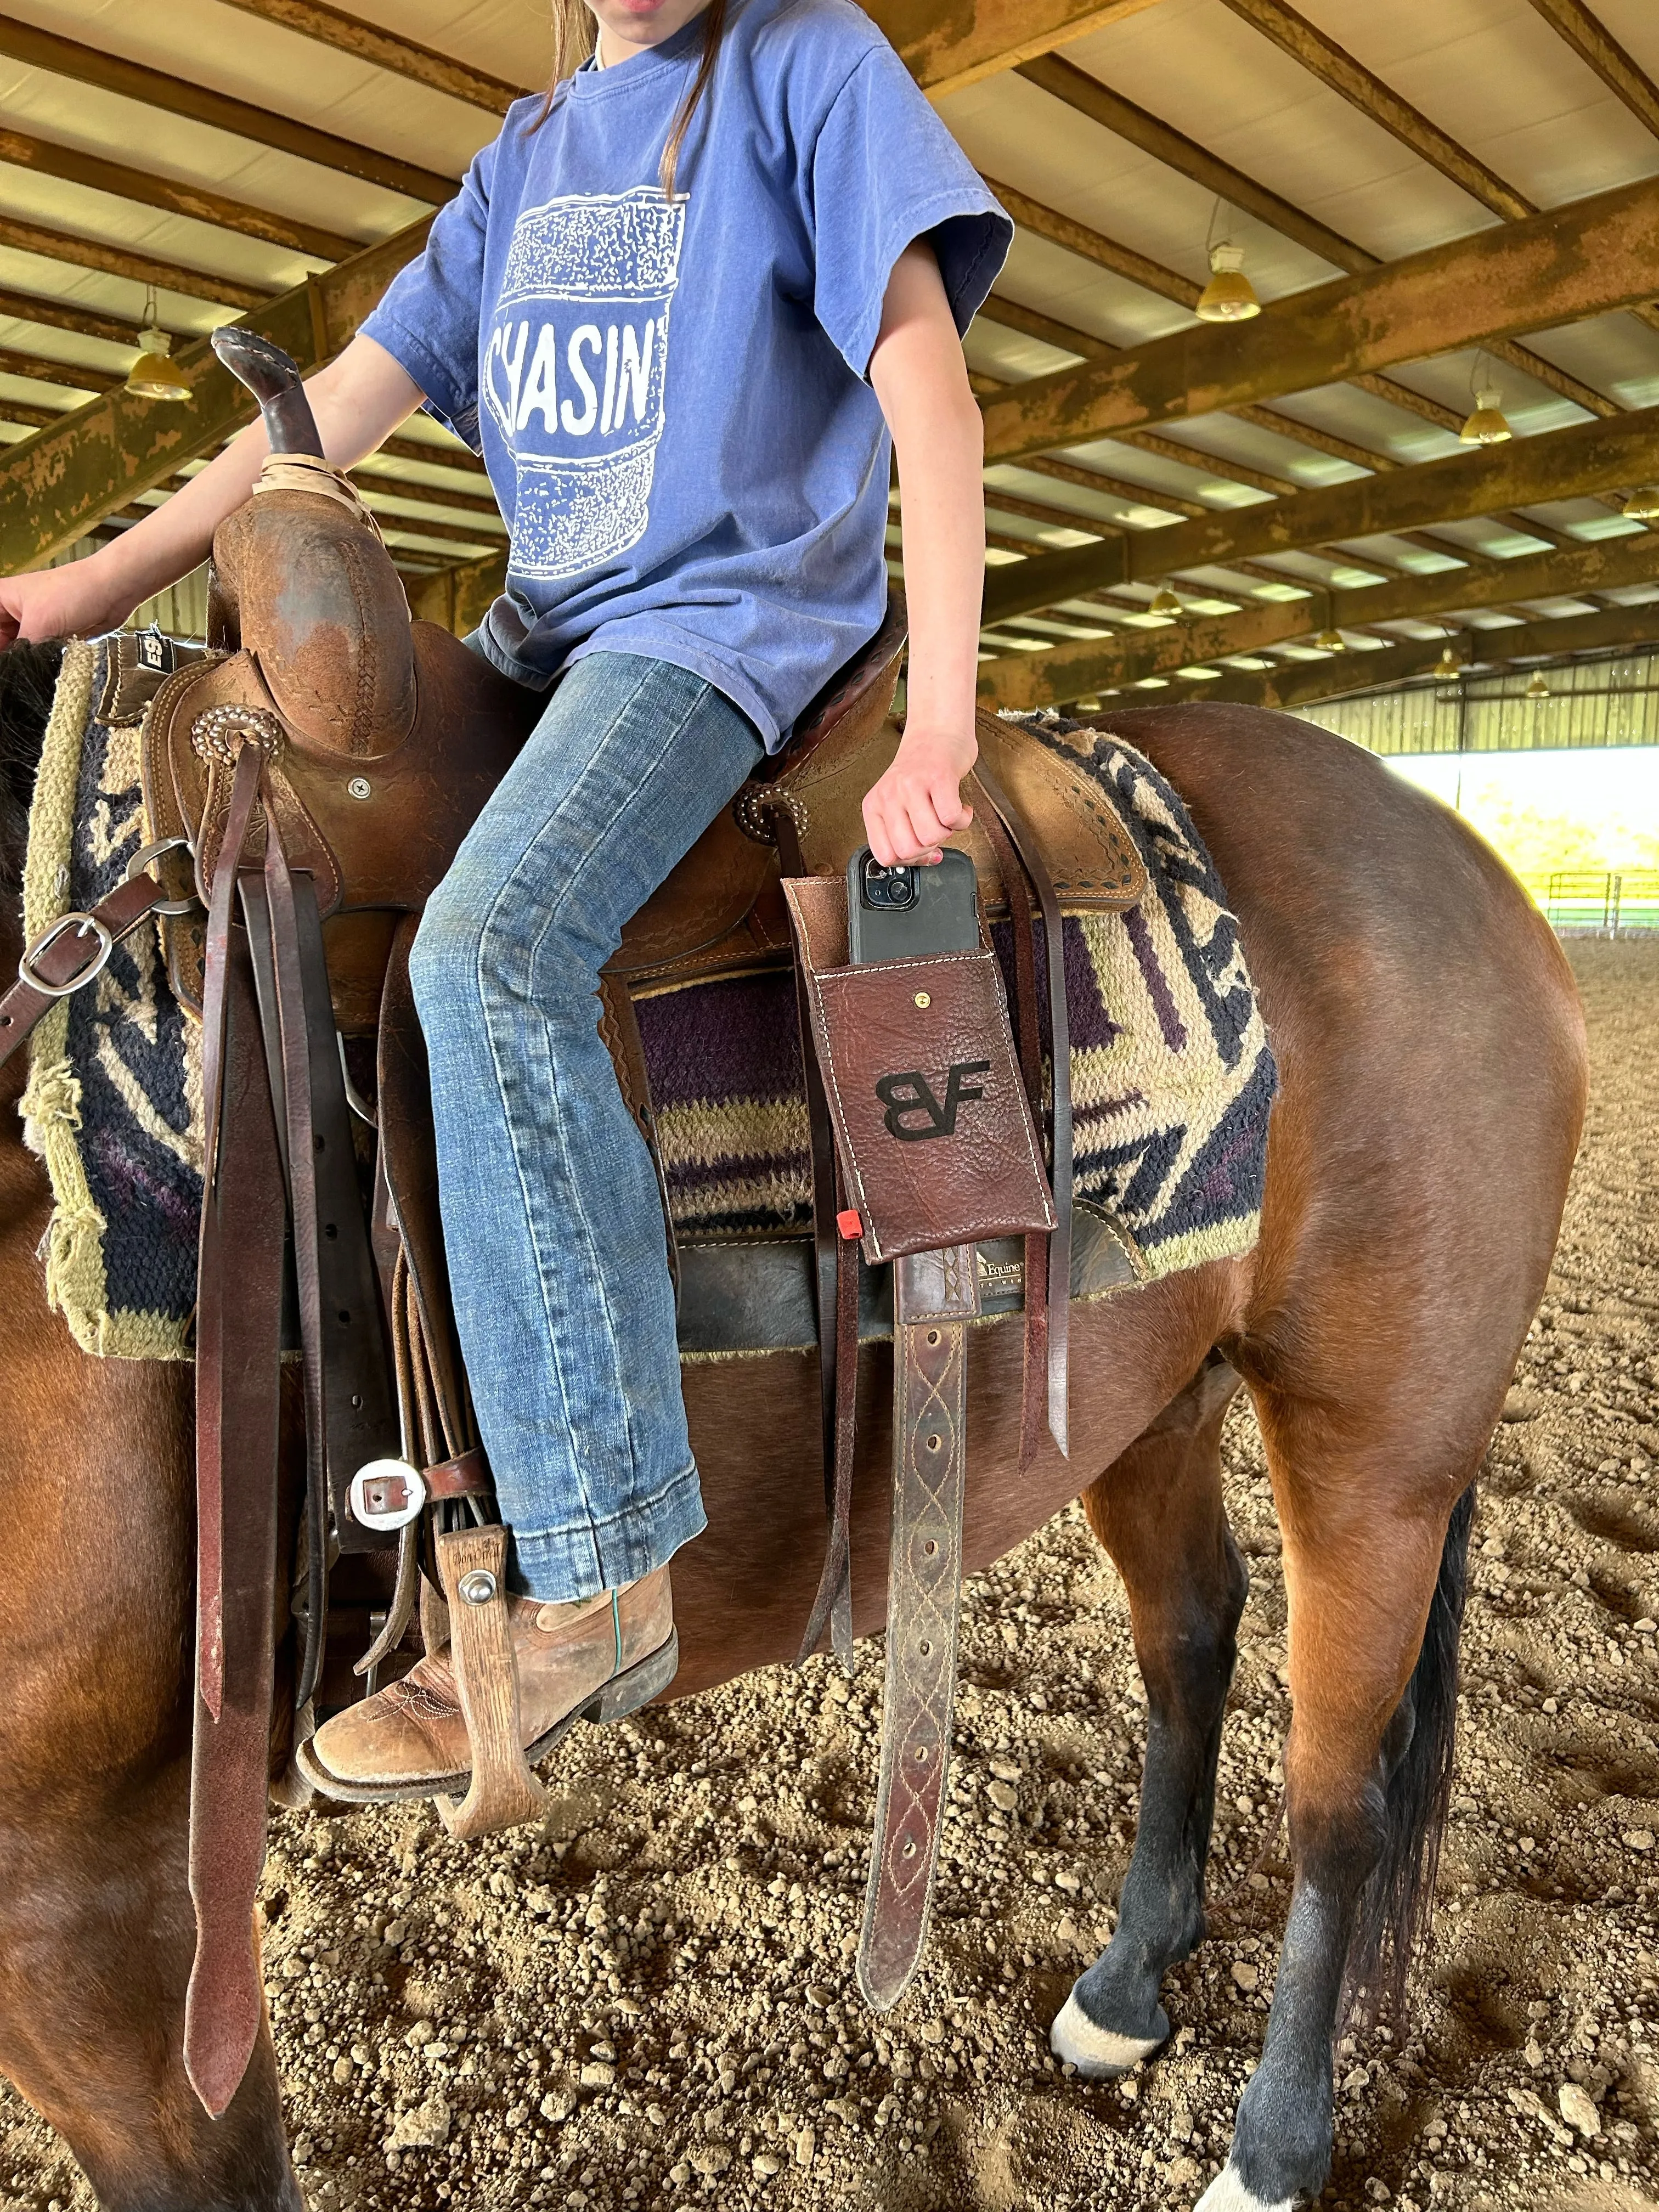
(28, 680)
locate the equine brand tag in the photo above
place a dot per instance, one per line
(907, 1095)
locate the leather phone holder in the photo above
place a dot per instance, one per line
(931, 1117)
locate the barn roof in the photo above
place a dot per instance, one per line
(1429, 196)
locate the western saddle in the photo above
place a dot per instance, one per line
(307, 782)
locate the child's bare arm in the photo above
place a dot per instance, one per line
(922, 380)
(359, 399)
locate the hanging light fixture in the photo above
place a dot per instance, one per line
(1087, 706)
(1165, 602)
(1537, 688)
(1643, 505)
(155, 374)
(1330, 639)
(1230, 296)
(1487, 425)
(1447, 664)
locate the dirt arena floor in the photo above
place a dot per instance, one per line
(651, 2004)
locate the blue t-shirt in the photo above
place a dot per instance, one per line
(671, 398)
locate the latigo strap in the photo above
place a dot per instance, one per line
(935, 1295)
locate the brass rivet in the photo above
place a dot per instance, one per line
(924, 999)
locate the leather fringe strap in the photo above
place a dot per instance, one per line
(935, 1294)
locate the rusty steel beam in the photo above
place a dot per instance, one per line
(72, 167)
(1334, 67)
(1595, 44)
(43, 370)
(65, 315)
(1589, 457)
(55, 485)
(460, 597)
(136, 268)
(1074, 672)
(1561, 267)
(175, 95)
(387, 49)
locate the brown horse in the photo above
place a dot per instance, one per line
(1431, 1058)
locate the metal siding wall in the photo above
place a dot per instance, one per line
(1608, 703)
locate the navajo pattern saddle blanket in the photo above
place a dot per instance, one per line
(1172, 1070)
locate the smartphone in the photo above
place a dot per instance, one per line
(894, 913)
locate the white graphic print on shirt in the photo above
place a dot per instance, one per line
(574, 370)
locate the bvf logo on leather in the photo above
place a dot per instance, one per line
(909, 1095)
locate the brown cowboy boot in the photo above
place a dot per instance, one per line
(596, 1659)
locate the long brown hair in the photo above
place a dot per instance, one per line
(576, 34)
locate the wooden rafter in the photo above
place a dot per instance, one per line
(136, 268)
(1074, 672)
(176, 95)
(1561, 463)
(75, 168)
(1574, 262)
(1593, 44)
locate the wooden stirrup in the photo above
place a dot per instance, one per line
(503, 1790)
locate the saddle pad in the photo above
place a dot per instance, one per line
(1172, 1073)
(113, 1103)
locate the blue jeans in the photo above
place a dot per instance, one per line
(551, 1210)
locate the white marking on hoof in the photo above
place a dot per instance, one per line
(1227, 2193)
(1096, 2051)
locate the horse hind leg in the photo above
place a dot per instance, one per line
(1374, 1569)
(1158, 1511)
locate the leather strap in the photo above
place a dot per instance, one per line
(1030, 1038)
(70, 954)
(833, 1601)
(934, 1296)
(834, 1262)
(467, 1476)
(237, 1403)
(1060, 1241)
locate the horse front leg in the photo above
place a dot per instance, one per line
(1158, 1511)
(97, 1931)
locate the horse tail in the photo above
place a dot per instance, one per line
(1398, 1901)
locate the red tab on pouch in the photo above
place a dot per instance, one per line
(850, 1224)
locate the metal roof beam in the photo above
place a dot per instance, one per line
(75, 168)
(387, 49)
(1306, 683)
(1074, 672)
(1593, 44)
(1586, 458)
(55, 485)
(135, 268)
(1573, 262)
(175, 95)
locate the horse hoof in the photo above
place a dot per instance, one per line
(1097, 2051)
(1227, 2193)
